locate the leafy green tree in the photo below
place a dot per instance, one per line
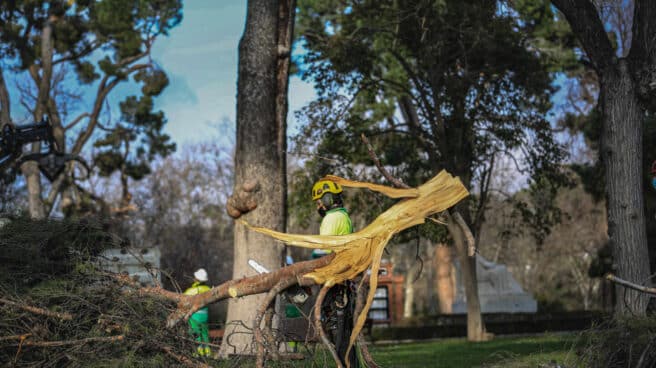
(436, 85)
(106, 43)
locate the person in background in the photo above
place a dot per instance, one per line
(198, 322)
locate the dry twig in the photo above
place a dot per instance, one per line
(35, 310)
(630, 285)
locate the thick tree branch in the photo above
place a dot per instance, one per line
(259, 336)
(246, 286)
(105, 87)
(584, 20)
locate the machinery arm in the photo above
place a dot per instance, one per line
(13, 138)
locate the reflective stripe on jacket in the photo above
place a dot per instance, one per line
(195, 289)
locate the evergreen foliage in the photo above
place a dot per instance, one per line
(96, 45)
(436, 85)
(52, 265)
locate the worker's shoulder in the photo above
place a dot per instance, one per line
(337, 213)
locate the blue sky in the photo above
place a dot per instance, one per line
(200, 58)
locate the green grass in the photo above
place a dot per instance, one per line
(459, 353)
(502, 352)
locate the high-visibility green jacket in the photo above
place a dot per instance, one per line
(336, 222)
(201, 315)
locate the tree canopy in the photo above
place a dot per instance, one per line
(105, 43)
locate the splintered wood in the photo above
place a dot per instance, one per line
(355, 253)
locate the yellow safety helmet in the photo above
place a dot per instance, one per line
(325, 186)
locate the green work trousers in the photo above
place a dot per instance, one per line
(200, 330)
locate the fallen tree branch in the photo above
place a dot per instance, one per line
(35, 310)
(257, 284)
(319, 328)
(630, 285)
(257, 330)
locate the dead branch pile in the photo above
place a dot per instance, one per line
(57, 309)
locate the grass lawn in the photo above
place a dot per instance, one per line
(515, 352)
(502, 352)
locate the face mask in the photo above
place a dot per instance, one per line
(653, 182)
(322, 211)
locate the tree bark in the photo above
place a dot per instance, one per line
(257, 157)
(5, 106)
(409, 291)
(444, 278)
(475, 326)
(621, 150)
(621, 139)
(30, 169)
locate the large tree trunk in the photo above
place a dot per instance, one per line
(624, 83)
(621, 151)
(257, 157)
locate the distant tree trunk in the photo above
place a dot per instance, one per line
(259, 155)
(409, 290)
(30, 169)
(475, 326)
(621, 150)
(444, 278)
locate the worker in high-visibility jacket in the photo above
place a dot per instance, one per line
(198, 321)
(335, 220)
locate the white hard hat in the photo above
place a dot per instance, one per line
(200, 275)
